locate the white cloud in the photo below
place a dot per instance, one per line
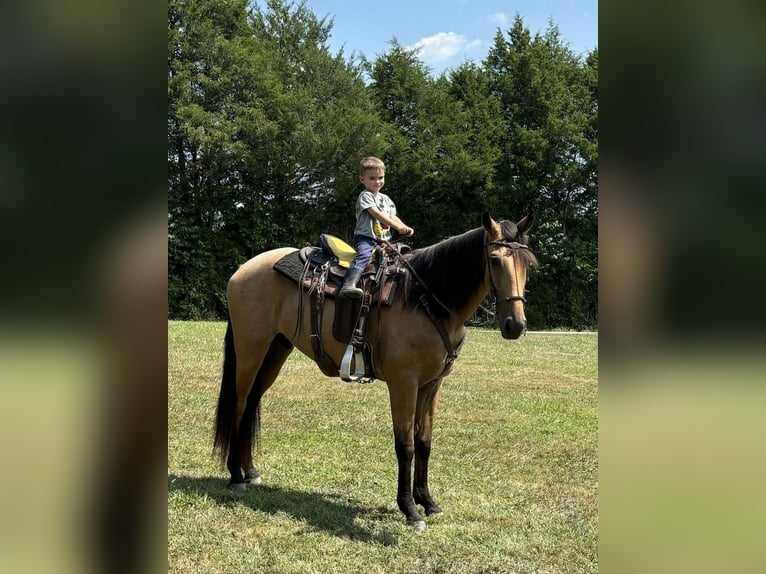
(499, 18)
(442, 46)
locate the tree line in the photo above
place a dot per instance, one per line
(266, 127)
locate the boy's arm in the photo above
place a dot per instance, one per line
(391, 220)
(402, 227)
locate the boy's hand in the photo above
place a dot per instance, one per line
(406, 231)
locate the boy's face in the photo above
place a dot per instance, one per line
(373, 179)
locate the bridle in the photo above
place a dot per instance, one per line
(452, 352)
(514, 246)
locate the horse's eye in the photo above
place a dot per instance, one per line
(495, 261)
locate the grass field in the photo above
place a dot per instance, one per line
(514, 466)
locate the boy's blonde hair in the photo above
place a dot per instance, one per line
(371, 163)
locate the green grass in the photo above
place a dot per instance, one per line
(513, 465)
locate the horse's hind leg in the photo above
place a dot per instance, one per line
(276, 356)
(428, 397)
(250, 355)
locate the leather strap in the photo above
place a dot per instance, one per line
(356, 346)
(452, 352)
(325, 363)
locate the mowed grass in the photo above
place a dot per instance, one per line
(513, 465)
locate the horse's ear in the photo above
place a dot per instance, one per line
(489, 224)
(526, 223)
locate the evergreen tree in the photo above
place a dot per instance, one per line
(548, 164)
(440, 153)
(266, 128)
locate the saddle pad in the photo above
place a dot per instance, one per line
(346, 314)
(290, 266)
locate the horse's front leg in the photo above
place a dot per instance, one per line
(428, 397)
(403, 401)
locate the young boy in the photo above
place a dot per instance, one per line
(375, 216)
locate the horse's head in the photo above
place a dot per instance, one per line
(508, 259)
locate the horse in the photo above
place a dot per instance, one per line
(413, 342)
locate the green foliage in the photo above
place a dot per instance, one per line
(549, 156)
(266, 128)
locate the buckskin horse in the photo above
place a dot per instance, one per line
(413, 342)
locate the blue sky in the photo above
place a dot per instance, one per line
(450, 32)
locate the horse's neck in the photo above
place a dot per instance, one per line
(467, 310)
(471, 287)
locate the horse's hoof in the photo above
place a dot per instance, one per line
(238, 486)
(419, 526)
(253, 481)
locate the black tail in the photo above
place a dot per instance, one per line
(227, 399)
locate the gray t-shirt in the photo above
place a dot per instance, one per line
(366, 224)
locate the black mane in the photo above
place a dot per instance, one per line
(452, 269)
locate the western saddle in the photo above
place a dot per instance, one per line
(320, 271)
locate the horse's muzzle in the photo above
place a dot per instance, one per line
(513, 329)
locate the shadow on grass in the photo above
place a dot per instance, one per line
(332, 513)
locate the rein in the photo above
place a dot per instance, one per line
(452, 352)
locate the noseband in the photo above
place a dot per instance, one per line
(513, 246)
